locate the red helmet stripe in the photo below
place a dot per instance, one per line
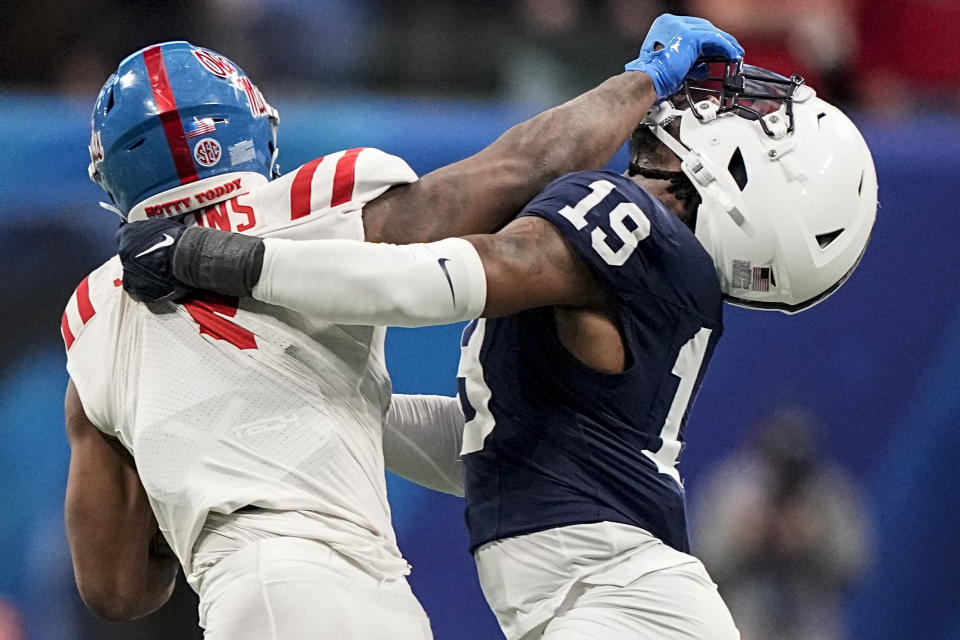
(169, 116)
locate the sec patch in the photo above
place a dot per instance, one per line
(207, 152)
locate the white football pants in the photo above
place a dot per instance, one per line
(601, 581)
(297, 589)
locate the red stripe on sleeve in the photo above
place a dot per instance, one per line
(301, 189)
(83, 301)
(343, 178)
(65, 330)
(169, 116)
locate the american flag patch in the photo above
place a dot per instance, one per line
(761, 279)
(200, 127)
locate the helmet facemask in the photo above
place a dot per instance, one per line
(753, 93)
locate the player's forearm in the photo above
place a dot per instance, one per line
(350, 282)
(116, 603)
(340, 281)
(117, 577)
(528, 264)
(421, 441)
(581, 134)
(123, 600)
(482, 192)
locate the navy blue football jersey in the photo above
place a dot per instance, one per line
(549, 441)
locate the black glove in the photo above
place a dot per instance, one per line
(164, 260)
(146, 251)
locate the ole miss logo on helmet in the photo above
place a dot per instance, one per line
(215, 64)
(223, 68)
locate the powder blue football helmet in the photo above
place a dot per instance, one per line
(175, 128)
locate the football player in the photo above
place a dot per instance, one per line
(242, 439)
(601, 306)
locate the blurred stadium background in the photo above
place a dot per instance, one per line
(860, 396)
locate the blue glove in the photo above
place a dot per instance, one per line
(684, 40)
(146, 251)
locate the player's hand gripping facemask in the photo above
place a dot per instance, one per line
(673, 44)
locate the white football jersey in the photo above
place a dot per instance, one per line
(228, 403)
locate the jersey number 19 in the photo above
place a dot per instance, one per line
(475, 394)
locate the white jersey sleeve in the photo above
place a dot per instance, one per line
(327, 194)
(422, 437)
(90, 334)
(321, 199)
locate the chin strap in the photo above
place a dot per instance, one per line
(112, 209)
(274, 167)
(695, 166)
(634, 169)
(657, 120)
(274, 125)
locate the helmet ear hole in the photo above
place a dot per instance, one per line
(738, 169)
(825, 239)
(110, 101)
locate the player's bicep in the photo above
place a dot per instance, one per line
(529, 264)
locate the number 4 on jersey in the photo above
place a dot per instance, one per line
(205, 309)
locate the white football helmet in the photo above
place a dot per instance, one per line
(788, 184)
